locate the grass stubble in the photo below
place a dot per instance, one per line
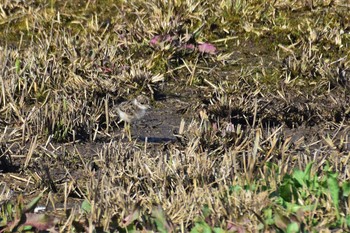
(263, 144)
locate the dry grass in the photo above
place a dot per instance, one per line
(264, 141)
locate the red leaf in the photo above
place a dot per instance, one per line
(40, 221)
(159, 39)
(156, 40)
(188, 46)
(207, 48)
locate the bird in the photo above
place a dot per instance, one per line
(132, 111)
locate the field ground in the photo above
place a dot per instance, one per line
(249, 129)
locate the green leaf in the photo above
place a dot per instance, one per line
(160, 219)
(293, 228)
(9, 209)
(27, 228)
(348, 220)
(268, 216)
(131, 228)
(299, 177)
(334, 190)
(201, 227)
(327, 167)
(250, 187)
(293, 207)
(218, 230)
(3, 221)
(31, 205)
(18, 65)
(307, 171)
(86, 206)
(235, 189)
(287, 189)
(346, 189)
(303, 177)
(206, 211)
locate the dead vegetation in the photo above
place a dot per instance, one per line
(262, 89)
